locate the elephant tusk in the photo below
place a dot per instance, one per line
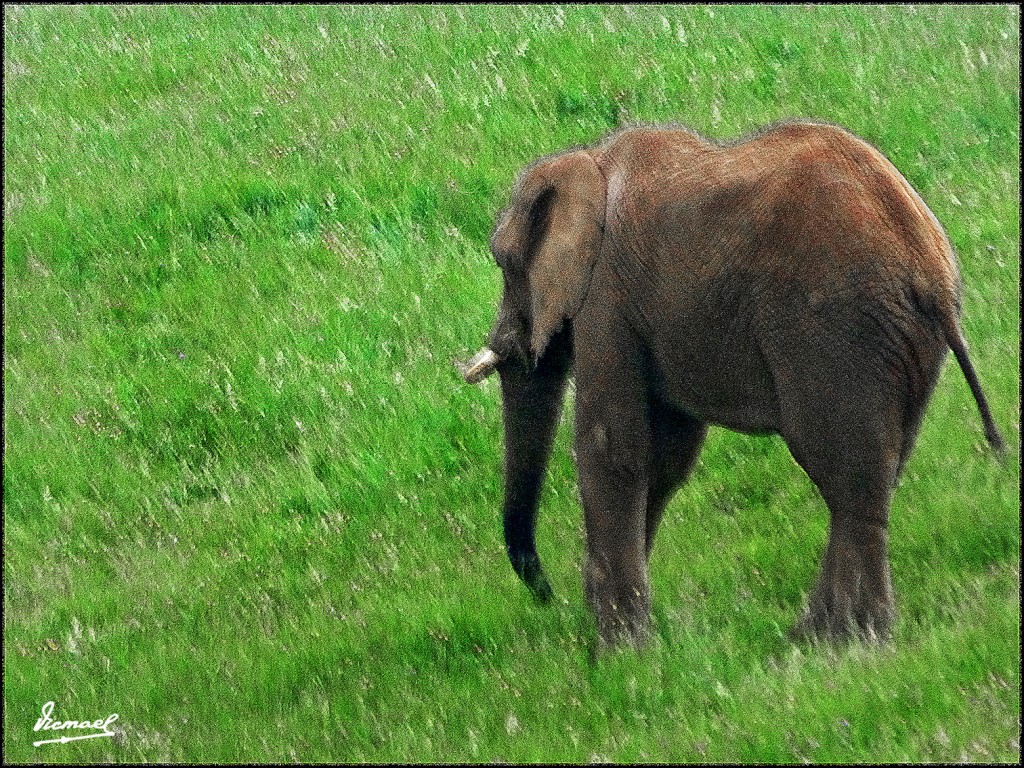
(480, 366)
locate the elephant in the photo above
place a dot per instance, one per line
(790, 282)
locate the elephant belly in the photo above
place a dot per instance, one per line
(729, 385)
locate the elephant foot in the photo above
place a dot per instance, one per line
(620, 634)
(623, 640)
(853, 599)
(842, 621)
(623, 610)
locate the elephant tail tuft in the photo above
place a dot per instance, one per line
(957, 343)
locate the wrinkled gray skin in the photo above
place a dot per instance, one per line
(793, 283)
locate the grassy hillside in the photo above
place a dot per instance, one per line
(249, 505)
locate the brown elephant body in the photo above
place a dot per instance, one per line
(774, 243)
(790, 283)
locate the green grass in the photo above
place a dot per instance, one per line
(250, 507)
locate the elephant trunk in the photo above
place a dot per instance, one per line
(532, 403)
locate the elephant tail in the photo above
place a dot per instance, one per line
(957, 343)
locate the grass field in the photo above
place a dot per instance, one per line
(251, 508)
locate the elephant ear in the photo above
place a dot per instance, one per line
(554, 231)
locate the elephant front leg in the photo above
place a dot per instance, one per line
(614, 490)
(613, 458)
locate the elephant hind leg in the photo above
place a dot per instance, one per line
(852, 452)
(676, 440)
(850, 415)
(853, 595)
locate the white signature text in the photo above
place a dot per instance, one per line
(47, 723)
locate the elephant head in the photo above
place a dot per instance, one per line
(546, 243)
